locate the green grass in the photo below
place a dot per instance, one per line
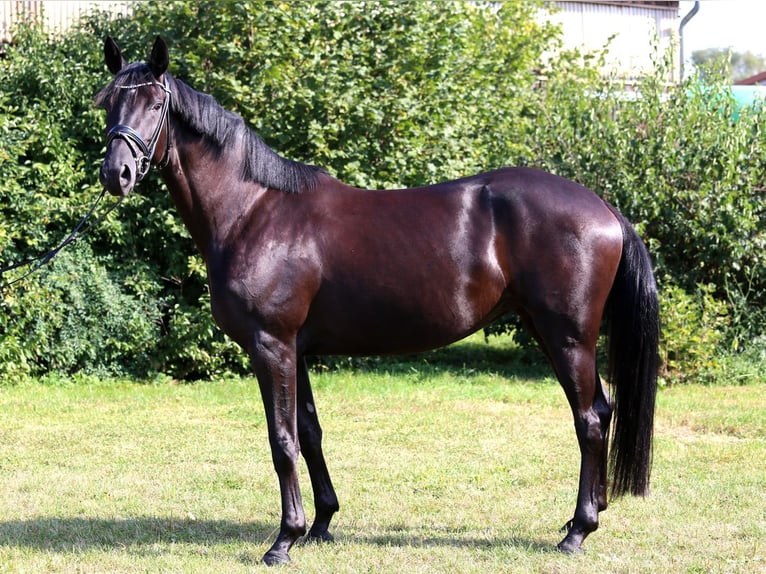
(452, 462)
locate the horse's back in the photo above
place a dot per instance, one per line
(419, 268)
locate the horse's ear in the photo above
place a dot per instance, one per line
(112, 55)
(159, 59)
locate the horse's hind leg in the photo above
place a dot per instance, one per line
(574, 362)
(576, 369)
(603, 406)
(310, 437)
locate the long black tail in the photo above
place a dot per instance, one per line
(633, 332)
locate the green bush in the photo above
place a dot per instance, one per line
(684, 164)
(71, 317)
(382, 94)
(693, 327)
(51, 145)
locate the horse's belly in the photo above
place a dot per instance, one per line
(403, 319)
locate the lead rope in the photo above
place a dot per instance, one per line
(131, 137)
(79, 230)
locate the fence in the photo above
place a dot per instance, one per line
(56, 16)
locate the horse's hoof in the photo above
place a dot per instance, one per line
(319, 537)
(273, 558)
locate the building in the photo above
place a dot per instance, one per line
(636, 33)
(56, 16)
(750, 91)
(756, 80)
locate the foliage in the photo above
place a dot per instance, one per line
(675, 162)
(693, 327)
(738, 65)
(72, 317)
(51, 149)
(382, 94)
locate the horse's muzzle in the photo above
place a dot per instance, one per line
(118, 172)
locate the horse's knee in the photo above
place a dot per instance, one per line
(284, 454)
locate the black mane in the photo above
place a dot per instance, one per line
(223, 129)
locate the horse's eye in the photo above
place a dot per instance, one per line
(157, 106)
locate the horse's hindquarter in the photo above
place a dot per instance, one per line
(563, 246)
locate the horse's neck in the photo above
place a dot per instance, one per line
(208, 193)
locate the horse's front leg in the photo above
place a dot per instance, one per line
(274, 362)
(310, 434)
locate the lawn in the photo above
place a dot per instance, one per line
(454, 462)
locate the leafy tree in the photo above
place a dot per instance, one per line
(738, 65)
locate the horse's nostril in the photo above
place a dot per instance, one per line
(125, 174)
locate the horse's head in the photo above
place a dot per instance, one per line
(137, 103)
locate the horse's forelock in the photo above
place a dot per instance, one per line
(130, 75)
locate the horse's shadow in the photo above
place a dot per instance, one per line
(452, 538)
(70, 534)
(73, 533)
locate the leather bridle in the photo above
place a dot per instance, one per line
(143, 152)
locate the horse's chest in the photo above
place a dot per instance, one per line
(261, 293)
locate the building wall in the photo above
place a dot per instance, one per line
(55, 15)
(635, 30)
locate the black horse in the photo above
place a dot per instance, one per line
(301, 264)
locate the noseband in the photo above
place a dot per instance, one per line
(143, 152)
